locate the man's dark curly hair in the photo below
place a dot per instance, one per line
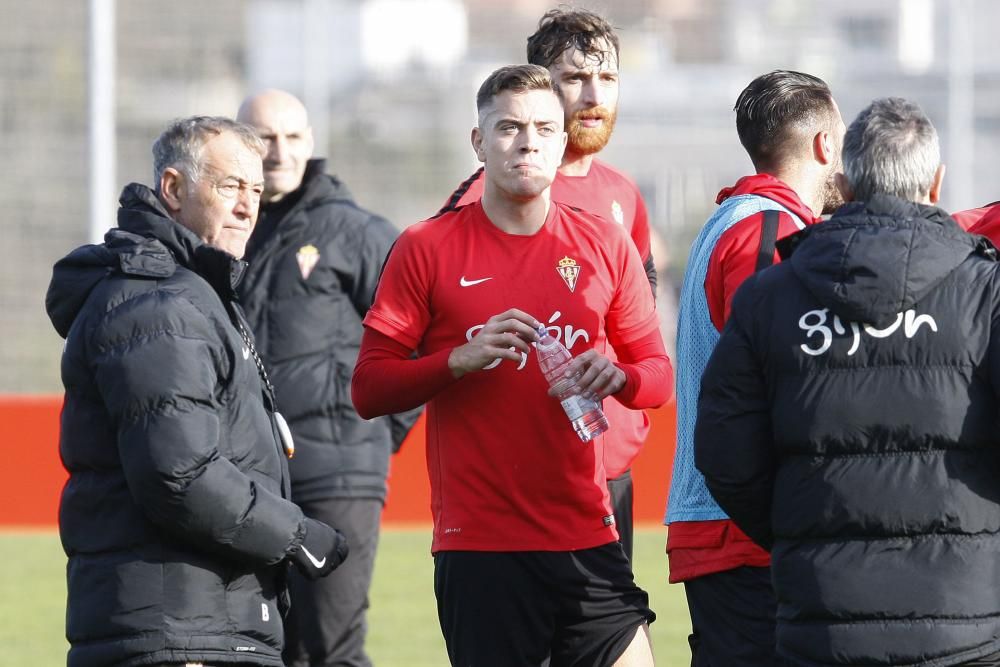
(570, 28)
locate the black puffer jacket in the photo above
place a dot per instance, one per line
(867, 456)
(174, 517)
(313, 264)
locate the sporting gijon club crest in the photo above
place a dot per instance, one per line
(617, 212)
(307, 257)
(569, 270)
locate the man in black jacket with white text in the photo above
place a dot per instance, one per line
(847, 418)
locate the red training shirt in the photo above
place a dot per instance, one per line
(507, 471)
(987, 225)
(609, 193)
(603, 191)
(970, 219)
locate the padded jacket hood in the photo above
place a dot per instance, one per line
(918, 246)
(135, 248)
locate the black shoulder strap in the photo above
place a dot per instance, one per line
(457, 195)
(768, 237)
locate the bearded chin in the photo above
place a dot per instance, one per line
(587, 141)
(832, 199)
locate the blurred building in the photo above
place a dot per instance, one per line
(390, 85)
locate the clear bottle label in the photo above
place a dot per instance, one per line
(576, 407)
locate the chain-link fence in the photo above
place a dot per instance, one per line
(390, 86)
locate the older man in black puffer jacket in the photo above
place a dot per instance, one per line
(176, 518)
(848, 417)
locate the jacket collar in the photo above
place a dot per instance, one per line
(273, 233)
(317, 186)
(142, 214)
(892, 207)
(766, 185)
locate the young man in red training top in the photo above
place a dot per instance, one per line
(528, 570)
(580, 50)
(792, 130)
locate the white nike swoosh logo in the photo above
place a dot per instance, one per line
(312, 559)
(469, 283)
(246, 353)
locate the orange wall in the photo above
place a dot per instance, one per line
(33, 475)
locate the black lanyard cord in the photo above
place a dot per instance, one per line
(261, 371)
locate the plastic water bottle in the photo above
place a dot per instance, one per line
(585, 414)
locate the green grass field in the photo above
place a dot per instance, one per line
(402, 619)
